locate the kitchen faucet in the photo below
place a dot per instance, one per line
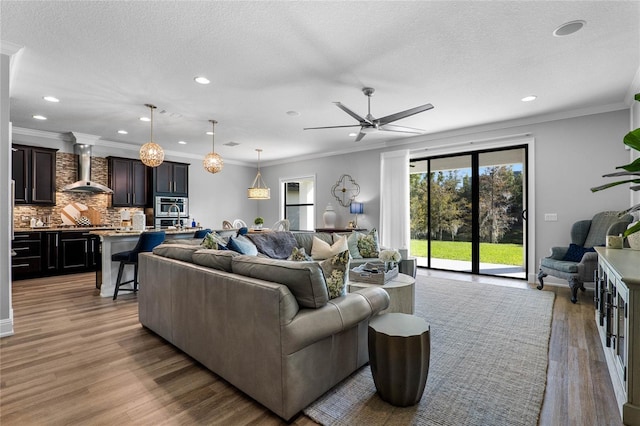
(178, 225)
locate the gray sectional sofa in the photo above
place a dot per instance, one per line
(266, 326)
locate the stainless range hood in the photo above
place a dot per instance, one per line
(84, 183)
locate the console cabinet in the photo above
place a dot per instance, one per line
(34, 171)
(617, 302)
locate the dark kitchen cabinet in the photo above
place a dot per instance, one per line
(129, 181)
(171, 178)
(48, 253)
(34, 171)
(27, 261)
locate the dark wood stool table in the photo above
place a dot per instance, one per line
(399, 351)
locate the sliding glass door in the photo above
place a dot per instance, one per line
(468, 212)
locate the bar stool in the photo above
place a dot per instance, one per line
(146, 242)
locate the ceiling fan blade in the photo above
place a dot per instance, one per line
(351, 113)
(403, 114)
(401, 129)
(360, 136)
(331, 127)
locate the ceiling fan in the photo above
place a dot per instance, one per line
(370, 124)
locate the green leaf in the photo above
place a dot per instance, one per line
(635, 228)
(632, 167)
(637, 97)
(632, 139)
(612, 184)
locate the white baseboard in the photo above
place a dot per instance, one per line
(6, 326)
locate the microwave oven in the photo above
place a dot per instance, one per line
(172, 207)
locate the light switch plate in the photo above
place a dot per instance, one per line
(551, 217)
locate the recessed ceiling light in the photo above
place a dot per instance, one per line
(39, 117)
(529, 98)
(51, 99)
(123, 132)
(144, 119)
(208, 133)
(182, 142)
(353, 134)
(569, 28)
(293, 113)
(202, 80)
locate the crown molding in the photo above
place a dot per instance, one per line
(9, 48)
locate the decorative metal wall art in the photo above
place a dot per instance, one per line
(345, 190)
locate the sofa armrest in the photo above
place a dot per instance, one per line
(589, 257)
(342, 313)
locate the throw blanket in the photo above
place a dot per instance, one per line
(276, 245)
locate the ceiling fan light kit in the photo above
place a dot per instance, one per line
(213, 162)
(370, 124)
(258, 189)
(151, 154)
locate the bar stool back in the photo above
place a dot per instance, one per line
(146, 242)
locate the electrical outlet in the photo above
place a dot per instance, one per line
(551, 217)
(25, 218)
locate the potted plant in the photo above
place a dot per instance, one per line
(258, 221)
(632, 140)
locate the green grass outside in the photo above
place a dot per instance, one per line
(505, 254)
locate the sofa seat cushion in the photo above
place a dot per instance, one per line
(182, 252)
(216, 259)
(305, 280)
(276, 245)
(559, 265)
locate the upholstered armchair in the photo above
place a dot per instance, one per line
(578, 262)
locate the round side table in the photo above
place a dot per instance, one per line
(401, 290)
(399, 351)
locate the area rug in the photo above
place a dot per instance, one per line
(488, 365)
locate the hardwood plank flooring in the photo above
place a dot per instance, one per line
(77, 358)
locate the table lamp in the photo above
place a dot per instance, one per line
(356, 208)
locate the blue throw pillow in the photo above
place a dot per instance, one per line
(575, 253)
(242, 246)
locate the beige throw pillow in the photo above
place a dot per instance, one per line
(321, 250)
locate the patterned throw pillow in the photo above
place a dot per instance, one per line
(209, 242)
(368, 244)
(299, 255)
(336, 274)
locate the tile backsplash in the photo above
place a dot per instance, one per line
(66, 173)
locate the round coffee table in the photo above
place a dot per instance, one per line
(401, 290)
(399, 351)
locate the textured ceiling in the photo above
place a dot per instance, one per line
(473, 61)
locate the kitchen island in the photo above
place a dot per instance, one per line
(115, 241)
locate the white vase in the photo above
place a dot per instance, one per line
(329, 217)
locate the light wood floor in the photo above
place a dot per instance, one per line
(77, 358)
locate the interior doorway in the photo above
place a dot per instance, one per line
(468, 212)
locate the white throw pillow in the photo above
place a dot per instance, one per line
(321, 250)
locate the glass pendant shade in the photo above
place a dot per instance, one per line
(213, 162)
(151, 154)
(258, 190)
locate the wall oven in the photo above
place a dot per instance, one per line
(163, 207)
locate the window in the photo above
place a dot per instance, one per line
(298, 202)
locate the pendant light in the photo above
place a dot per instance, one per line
(212, 161)
(258, 190)
(151, 154)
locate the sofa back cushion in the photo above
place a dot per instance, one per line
(305, 280)
(216, 259)
(182, 252)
